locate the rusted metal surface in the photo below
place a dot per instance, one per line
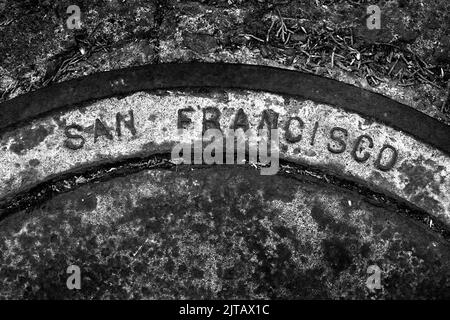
(218, 232)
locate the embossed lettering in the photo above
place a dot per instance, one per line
(128, 123)
(211, 117)
(316, 126)
(183, 120)
(338, 139)
(289, 134)
(72, 144)
(392, 160)
(270, 118)
(240, 121)
(101, 130)
(359, 146)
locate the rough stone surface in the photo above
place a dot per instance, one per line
(46, 149)
(408, 59)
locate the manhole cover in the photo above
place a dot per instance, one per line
(87, 180)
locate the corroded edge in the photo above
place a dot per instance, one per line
(234, 76)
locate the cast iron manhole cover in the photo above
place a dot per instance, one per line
(86, 180)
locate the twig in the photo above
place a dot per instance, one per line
(283, 31)
(251, 36)
(270, 29)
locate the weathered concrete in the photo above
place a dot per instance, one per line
(38, 49)
(329, 138)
